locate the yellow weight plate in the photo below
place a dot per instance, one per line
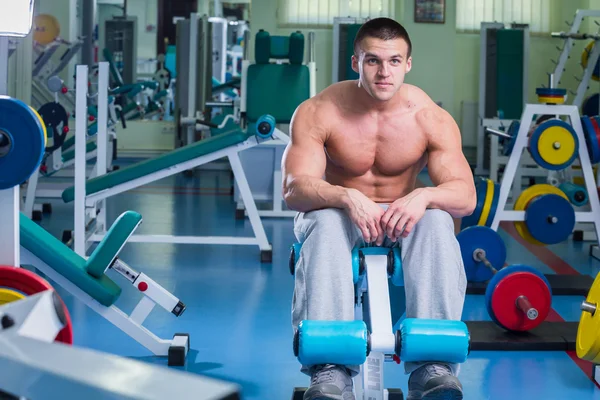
(487, 205)
(523, 201)
(585, 55)
(43, 125)
(551, 100)
(588, 331)
(556, 135)
(8, 295)
(45, 29)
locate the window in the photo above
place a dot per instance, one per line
(322, 12)
(471, 13)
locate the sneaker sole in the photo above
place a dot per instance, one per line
(443, 392)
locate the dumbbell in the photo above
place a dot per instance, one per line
(518, 297)
(349, 342)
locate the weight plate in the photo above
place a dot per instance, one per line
(596, 124)
(591, 140)
(513, 130)
(587, 343)
(590, 105)
(28, 283)
(21, 142)
(550, 218)
(481, 191)
(55, 118)
(551, 99)
(483, 238)
(553, 145)
(9, 295)
(45, 28)
(507, 286)
(584, 60)
(523, 201)
(487, 202)
(39, 117)
(494, 207)
(550, 92)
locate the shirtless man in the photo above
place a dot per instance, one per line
(350, 171)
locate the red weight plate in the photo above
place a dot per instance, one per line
(596, 126)
(29, 283)
(505, 296)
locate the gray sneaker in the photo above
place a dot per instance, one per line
(330, 382)
(434, 382)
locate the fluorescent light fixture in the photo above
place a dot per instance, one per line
(16, 17)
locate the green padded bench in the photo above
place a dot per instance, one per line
(69, 264)
(70, 154)
(160, 163)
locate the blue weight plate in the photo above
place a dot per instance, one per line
(481, 190)
(513, 131)
(550, 218)
(537, 134)
(481, 237)
(22, 144)
(590, 139)
(550, 91)
(494, 205)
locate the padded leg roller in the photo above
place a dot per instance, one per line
(331, 342)
(432, 340)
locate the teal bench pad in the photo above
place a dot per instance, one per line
(66, 262)
(160, 163)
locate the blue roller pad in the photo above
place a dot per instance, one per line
(535, 137)
(433, 340)
(332, 342)
(481, 237)
(591, 140)
(398, 275)
(577, 194)
(296, 249)
(491, 286)
(265, 126)
(537, 215)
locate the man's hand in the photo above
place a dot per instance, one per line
(402, 215)
(366, 214)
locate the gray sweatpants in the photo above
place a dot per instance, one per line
(434, 276)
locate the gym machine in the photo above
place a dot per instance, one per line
(344, 32)
(35, 326)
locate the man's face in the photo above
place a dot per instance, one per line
(381, 65)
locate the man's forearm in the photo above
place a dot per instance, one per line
(457, 197)
(305, 194)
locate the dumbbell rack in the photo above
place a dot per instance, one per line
(578, 284)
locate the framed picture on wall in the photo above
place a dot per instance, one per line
(430, 11)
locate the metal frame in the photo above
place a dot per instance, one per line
(572, 112)
(493, 122)
(376, 311)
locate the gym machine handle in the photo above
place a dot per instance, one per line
(498, 133)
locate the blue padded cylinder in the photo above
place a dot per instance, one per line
(577, 194)
(331, 342)
(265, 126)
(432, 340)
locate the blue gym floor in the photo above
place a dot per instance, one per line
(238, 310)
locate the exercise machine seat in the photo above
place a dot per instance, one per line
(70, 154)
(66, 262)
(160, 163)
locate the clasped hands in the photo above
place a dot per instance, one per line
(397, 221)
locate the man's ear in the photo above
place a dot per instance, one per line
(408, 64)
(355, 64)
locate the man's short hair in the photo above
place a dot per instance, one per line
(384, 29)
